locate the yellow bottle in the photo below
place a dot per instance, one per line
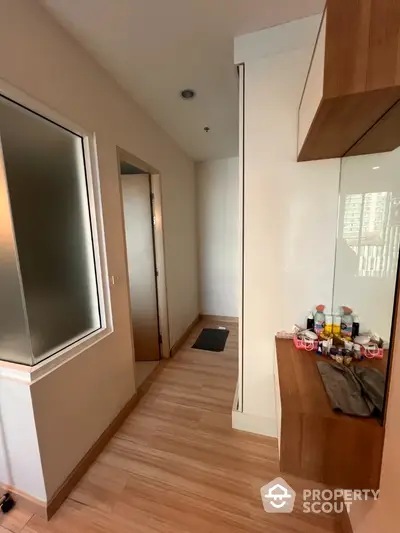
(337, 324)
(328, 325)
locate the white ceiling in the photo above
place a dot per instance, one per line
(155, 48)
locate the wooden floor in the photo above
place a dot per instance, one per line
(176, 465)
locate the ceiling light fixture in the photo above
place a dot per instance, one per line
(375, 168)
(188, 94)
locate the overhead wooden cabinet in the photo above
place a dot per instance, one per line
(350, 101)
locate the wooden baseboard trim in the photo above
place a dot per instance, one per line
(82, 467)
(181, 341)
(220, 318)
(145, 386)
(31, 504)
(345, 523)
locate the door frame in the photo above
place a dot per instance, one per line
(159, 248)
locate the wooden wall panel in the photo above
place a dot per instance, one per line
(347, 44)
(384, 40)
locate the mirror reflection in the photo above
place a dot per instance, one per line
(355, 332)
(368, 241)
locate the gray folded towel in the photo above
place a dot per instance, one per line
(373, 383)
(353, 390)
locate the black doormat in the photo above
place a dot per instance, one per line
(212, 340)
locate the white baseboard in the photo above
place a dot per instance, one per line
(254, 424)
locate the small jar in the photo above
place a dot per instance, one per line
(357, 352)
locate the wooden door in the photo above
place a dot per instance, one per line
(141, 265)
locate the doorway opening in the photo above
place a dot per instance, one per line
(141, 202)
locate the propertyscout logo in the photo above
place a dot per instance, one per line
(279, 497)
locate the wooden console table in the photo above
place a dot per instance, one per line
(317, 443)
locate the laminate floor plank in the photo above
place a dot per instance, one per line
(15, 520)
(177, 466)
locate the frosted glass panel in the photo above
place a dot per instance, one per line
(369, 239)
(14, 338)
(46, 181)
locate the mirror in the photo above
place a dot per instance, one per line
(368, 242)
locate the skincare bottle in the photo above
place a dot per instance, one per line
(310, 321)
(347, 322)
(319, 320)
(356, 326)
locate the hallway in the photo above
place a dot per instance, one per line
(176, 465)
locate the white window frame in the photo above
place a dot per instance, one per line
(72, 349)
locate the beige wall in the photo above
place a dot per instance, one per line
(75, 403)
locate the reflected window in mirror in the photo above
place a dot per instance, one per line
(368, 239)
(368, 244)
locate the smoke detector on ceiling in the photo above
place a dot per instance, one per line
(188, 94)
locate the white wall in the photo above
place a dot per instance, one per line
(20, 464)
(75, 403)
(217, 211)
(289, 215)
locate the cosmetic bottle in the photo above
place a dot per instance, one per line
(356, 327)
(310, 321)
